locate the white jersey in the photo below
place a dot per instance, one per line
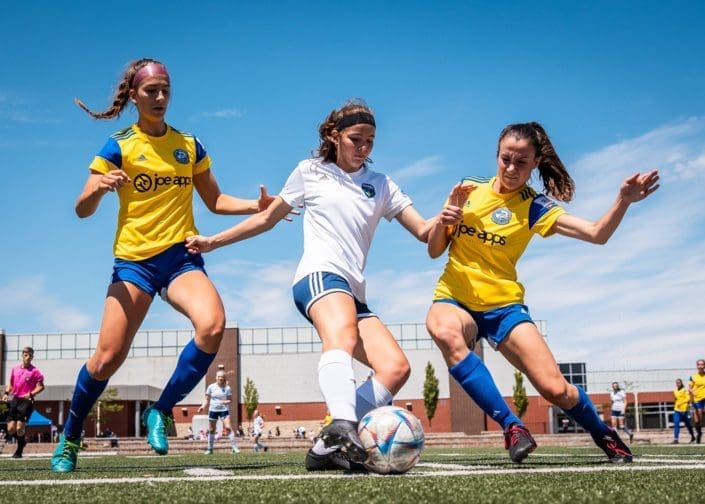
(258, 426)
(217, 395)
(617, 399)
(342, 211)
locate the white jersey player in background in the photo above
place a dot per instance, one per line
(219, 398)
(343, 202)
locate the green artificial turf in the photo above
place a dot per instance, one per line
(575, 475)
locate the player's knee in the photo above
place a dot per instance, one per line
(448, 337)
(210, 334)
(103, 365)
(394, 373)
(558, 393)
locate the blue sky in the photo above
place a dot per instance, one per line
(619, 86)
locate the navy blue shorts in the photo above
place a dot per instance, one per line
(495, 325)
(215, 415)
(313, 287)
(156, 273)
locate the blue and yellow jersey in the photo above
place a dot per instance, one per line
(485, 247)
(697, 383)
(682, 399)
(156, 208)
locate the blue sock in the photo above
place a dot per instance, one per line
(476, 380)
(190, 368)
(84, 397)
(586, 415)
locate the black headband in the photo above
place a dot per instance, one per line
(352, 119)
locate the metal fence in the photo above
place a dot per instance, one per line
(159, 343)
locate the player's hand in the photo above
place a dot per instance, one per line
(113, 180)
(638, 186)
(265, 200)
(198, 244)
(453, 212)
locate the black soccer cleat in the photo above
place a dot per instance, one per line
(518, 440)
(329, 462)
(334, 461)
(614, 447)
(343, 433)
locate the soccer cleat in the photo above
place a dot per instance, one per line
(614, 447)
(158, 424)
(518, 440)
(209, 451)
(332, 461)
(235, 449)
(65, 456)
(675, 441)
(343, 433)
(16, 455)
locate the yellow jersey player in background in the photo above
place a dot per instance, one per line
(696, 387)
(479, 296)
(681, 407)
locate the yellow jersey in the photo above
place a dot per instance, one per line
(682, 400)
(156, 207)
(484, 249)
(697, 383)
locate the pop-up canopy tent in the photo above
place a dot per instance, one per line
(37, 420)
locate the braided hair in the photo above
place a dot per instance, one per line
(122, 94)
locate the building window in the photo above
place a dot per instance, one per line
(574, 373)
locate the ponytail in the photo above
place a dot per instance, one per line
(557, 182)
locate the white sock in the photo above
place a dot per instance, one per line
(231, 437)
(211, 439)
(337, 382)
(370, 395)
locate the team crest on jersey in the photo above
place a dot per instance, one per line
(181, 156)
(369, 190)
(501, 216)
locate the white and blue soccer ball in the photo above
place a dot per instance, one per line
(393, 438)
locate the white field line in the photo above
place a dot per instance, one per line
(450, 470)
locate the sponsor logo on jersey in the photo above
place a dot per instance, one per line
(501, 216)
(369, 190)
(181, 156)
(485, 236)
(145, 182)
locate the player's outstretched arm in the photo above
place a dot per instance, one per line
(634, 188)
(252, 226)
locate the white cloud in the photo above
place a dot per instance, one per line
(418, 169)
(228, 113)
(29, 296)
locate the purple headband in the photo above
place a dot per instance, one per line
(352, 119)
(149, 70)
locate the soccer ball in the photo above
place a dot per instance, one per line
(393, 438)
